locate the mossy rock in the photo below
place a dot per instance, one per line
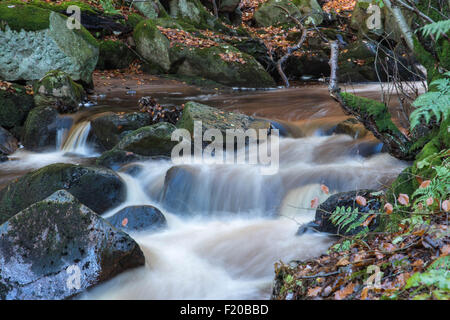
(40, 129)
(114, 159)
(208, 63)
(8, 144)
(134, 19)
(213, 118)
(154, 140)
(114, 55)
(41, 243)
(269, 13)
(98, 188)
(58, 90)
(151, 9)
(34, 41)
(351, 127)
(110, 128)
(152, 45)
(14, 106)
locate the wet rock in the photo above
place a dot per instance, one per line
(352, 127)
(154, 140)
(210, 64)
(45, 246)
(8, 144)
(269, 13)
(213, 118)
(114, 55)
(40, 129)
(152, 45)
(138, 218)
(322, 220)
(56, 89)
(110, 128)
(14, 106)
(34, 41)
(115, 158)
(98, 188)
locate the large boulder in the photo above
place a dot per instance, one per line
(58, 90)
(34, 41)
(270, 13)
(138, 218)
(8, 144)
(111, 127)
(98, 188)
(152, 45)
(40, 129)
(154, 140)
(224, 64)
(15, 104)
(114, 55)
(58, 248)
(213, 118)
(150, 9)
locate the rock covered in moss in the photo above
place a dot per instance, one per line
(223, 64)
(269, 13)
(14, 106)
(58, 248)
(40, 129)
(8, 144)
(151, 9)
(213, 118)
(34, 41)
(152, 45)
(138, 218)
(154, 140)
(352, 127)
(110, 128)
(98, 188)
(56, 89)
(115, 158)
(114, 55)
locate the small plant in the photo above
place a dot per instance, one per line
(351, 219)
(108, 7)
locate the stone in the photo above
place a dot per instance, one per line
(138, 218)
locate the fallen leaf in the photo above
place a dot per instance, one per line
(403, 199)
(313, 292)
(343, 293)
(324, 189)
(364, 293)
(388, 208)
(342, 262)
(368, 220)
(361, 201)
(429, 201)
(445, 250)
(125, 222)
(445, 205)
(315, 203)
(425, 184)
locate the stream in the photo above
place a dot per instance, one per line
(240, 222)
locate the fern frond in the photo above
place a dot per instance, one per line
(436, 29)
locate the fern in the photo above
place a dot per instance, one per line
(346, 217)
(434, 103)
(436, 29)
(439, 187)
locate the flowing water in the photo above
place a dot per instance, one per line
(228, 224)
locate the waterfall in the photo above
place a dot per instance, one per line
(76, 141)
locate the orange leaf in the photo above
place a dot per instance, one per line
(368, 220)
(445, 250)
(364, 293)
(124, 222)
(315, 203)
(445, 205)
(403, 199)
(430, 201)
(361, 201)
(343, 293)
(313, 292)
(425, 184)
(324, 188)
(388, 208)
(342, 262)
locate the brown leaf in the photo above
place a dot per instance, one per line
(315, 203)
(343, 262)
(364, 293)
(403, 199)
(388, 208)
(343, 293)
(445, 205)
(445, 250)
(324, 188)
(361, 201)
(425, 184)
(313, 292)
(125, 222)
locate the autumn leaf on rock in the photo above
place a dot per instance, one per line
(324, 188)
(125, 222)
(361, 201)
(315, 203)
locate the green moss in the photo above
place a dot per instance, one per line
(134, 19)
(26, 17)
(114, 55)
(373, 108)
(14, 107)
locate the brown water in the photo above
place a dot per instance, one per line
(240, 222)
